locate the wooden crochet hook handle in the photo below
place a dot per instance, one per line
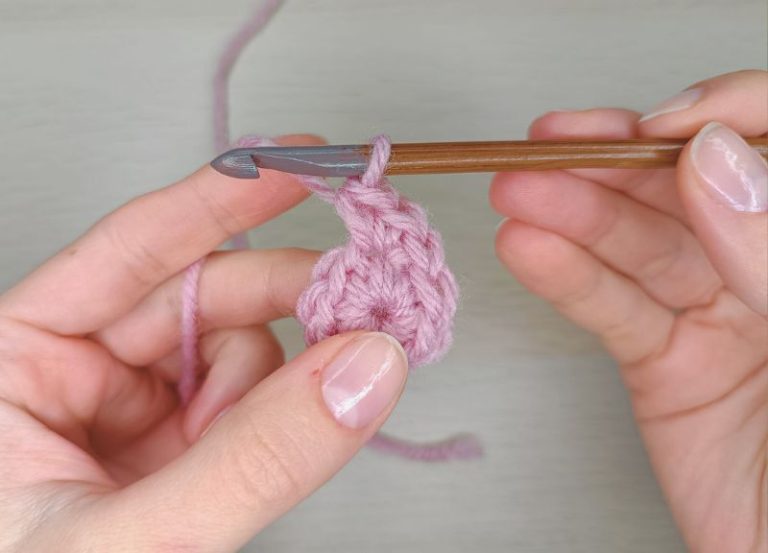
(460, 157)
(472, 157)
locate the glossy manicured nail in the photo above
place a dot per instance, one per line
(364, 378)
(734, 172)
(679, 102)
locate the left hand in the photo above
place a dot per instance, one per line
(96, 454)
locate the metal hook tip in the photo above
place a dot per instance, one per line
(236, 163)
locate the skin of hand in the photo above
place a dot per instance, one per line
(96, 453)
(669, 268)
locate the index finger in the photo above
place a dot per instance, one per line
(738, 100)
(129, 252)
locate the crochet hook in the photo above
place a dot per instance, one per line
(459, 157)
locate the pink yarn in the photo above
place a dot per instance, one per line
(189, 332)
(229, 56)
(461, 446)
(234, 47)
(389, 276)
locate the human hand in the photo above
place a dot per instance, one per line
(670, 269)
(96, 454)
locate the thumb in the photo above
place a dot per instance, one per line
(277, 445)
(723, 183)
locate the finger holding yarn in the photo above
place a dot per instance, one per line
(390, 276)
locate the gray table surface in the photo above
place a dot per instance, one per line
(101, 101)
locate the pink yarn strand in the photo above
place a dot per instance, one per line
(461, 447)
(187, 384)
(229, 56)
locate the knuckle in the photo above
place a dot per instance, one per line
(266, 345)
(137, 257)
(268, 469)
(171, 299)
(660, 265)
(218, 214)
(274, 285)
(18, 363)
(275, 279)
(271, 287)
(621, 327)
(584, 293)
(603, 227)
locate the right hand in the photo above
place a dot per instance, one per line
(670, 269)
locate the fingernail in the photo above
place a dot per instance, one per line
(735, 173)
(678, 102)
(215, 420)
(364, 378)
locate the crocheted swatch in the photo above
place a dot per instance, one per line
(391, 274)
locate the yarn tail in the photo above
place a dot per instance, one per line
(229, 56)
(459, 447)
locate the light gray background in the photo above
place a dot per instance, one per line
(103, 100)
